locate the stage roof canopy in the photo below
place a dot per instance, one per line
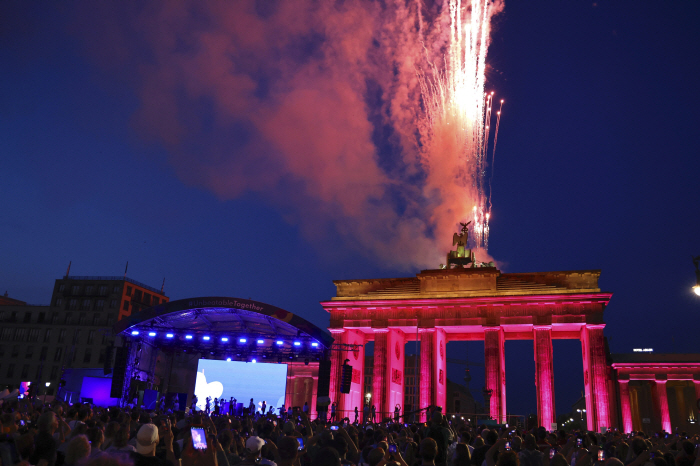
(224, 322)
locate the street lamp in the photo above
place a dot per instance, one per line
(48, 384)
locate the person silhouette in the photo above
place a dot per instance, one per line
(357, 414)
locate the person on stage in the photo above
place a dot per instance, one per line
(306, 408)
(365, 412)
(208, 405)
(333, 412)
(290, 412)
(251, 407)
(231, 406)
(397, 412)
(193, 408)
(374, 413)
(264, 407)
(283, 412)
(216, 406)
(357, 415)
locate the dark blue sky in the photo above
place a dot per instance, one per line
(597, 168)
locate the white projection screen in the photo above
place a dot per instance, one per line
(241, 380)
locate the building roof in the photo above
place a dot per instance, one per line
(654, 358)
(114, 278)
(7, 301)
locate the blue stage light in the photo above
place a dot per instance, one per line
(314, 344)
(228, 359)
(280, 342)
(254, 361)
(134, 332)
(188, 337)
(260, 342)
(169, 335)
(242, 340)
(151, 334)
(297, 343)
(206, 337)
(224, 338)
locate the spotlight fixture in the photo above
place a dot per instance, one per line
(260, 342)
(151, 334)
(206, 337)
(188, 337)
(224, 339)
(314, 344)
(242, 340)
(134, 332)
(169, 335)
(297, 343)
(280, 343)
(254, 361)
(228, 359)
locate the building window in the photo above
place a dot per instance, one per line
(86, 304)
(47, 335)
(104, 339)
(138, 295)
(7, 334)
(110, 319)
(10, 371)
(73, 304)
(58, 354)
(59, 302)
(88, 356)
(54, 373)
(76, 336)
(126, 306)
(156, 301)
(13, 317)
(100, 304)
(102, 290)
(128, 291)
(21, 334)
(89, 290)
(2, 351)
(101, 360)
(38, 373)
(147, 299)
(61, 288)
(54, 318)
(82, 318)
(91, 337)
(66, 321)
(34, 334)
(76, 290)
(44, 352)
(116, 289)
(114, 303)
(96, 319)
(62, 335)
(27, 317)
(25, 372)
(40, 319)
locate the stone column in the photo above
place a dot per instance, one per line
(696, 382)
(595, 377)
(427, 369)
(662, 403)
(544, 378)
(495, 371)
(625, 406)
(379, 381)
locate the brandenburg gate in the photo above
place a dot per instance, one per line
(467, 304)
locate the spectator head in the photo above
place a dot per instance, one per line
(508, 458)
(341, 446)
(461, 455)
(78, 448)
(226, 439)
(529, 442)
(375, 456)
(638, 445)
(688, 447)
(326, 438)
(428, 449)
(288, 428)
(48, 422)
(436, 417)
(491, 437)
(146, 439)
(288, 448)
(254, 446)
(326, 456)
(96, 436)
(559, 460)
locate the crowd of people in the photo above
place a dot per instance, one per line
(82, 435)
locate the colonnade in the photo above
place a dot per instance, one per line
(388, 377)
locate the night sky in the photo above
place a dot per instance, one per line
(113, 150)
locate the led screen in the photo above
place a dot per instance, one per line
(241, 380)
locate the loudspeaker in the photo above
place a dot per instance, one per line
(324, 378)
(346, 378)
(119, 372)
(109, 354)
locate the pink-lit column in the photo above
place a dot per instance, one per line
(427, 368)
(626, 406)
(696, 382)
(595, 377)
(494, 340)
(379, 381)
(544, 378)
(662, 403)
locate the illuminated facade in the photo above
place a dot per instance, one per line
(482, 304)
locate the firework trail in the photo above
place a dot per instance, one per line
(457, 114)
